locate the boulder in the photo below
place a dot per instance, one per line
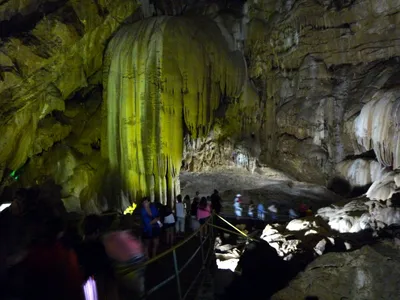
(361, 214)
(366, 274)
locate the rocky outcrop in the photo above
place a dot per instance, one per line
(55, 48)
(366, 274)
(361, 214)
(301, 240)
(330, 68)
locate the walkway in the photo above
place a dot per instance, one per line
(177, 272)
(181, 272)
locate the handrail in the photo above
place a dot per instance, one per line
(234, 227)
(177, 271)
(233, 232)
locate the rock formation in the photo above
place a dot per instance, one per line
(327, 75)
(327, 80)
(349, 275)
(165, 76)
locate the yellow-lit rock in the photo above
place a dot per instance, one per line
(162, 74)
(45, 66)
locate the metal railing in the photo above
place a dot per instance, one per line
(204, 250)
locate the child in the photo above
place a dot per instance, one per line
(169, 226)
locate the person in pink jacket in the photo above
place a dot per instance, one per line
(203, 213)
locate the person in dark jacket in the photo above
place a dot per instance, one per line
(51, 269)
(216, 202)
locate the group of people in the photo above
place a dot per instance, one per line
(171, 222)
(62, 261)
(65, 258)
(260, 213)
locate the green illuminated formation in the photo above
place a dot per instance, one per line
(161, 75)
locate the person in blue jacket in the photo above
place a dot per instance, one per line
(151, 227)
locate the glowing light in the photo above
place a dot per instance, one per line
(90, 289)
(4, 206)
(130, 209)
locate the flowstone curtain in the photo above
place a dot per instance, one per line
(160, 73)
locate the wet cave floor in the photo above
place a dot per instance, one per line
(270, 187)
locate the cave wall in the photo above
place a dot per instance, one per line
(326, 73)
(322, 62)
(51, 56)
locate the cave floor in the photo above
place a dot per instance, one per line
(270, 187)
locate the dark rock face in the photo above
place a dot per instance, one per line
(255, 282)
(369, 273)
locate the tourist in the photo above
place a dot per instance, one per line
(251, 209)
(193, 214)
(303, 210)
(237, 207)
(127, 255)
(51, 269)
(197, 197)
(151, 227)
(216, 202)
(180, 216)
(273, 211)
(293, 214)
(92, 254)
(309, 212)
(186, 203)
(94, 260)
(260, 211)
(203, 213)
(169, 226)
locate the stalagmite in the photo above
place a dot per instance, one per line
(384, 188)
(377, 127)
(161, 75)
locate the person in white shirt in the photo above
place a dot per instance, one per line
(237, 207)
(180, 216)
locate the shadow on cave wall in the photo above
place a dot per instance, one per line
(342, 187)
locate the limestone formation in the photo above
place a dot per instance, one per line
(329, 70)
(163, 75)
(326, 73)
(361, 214)
(366, 274)
(360, 171)
(61, 45)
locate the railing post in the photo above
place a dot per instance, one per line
(178, 282)
(212, 227)
(202, 251)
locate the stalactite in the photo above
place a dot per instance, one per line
(159, 73)
(377, 127)
(361, 172)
